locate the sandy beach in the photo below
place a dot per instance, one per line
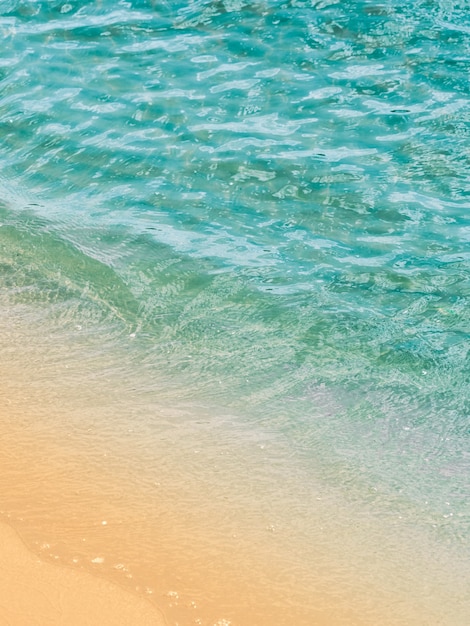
(33, 592)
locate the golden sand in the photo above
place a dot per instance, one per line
(34, 593)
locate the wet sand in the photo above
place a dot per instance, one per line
(33, 592)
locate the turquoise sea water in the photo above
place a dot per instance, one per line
(268, 203)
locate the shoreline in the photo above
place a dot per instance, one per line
(199, 522)
(35, 593)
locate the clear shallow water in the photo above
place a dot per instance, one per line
(265, 204)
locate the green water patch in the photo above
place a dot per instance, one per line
(40, 268)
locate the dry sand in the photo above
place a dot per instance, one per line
(34, 593)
